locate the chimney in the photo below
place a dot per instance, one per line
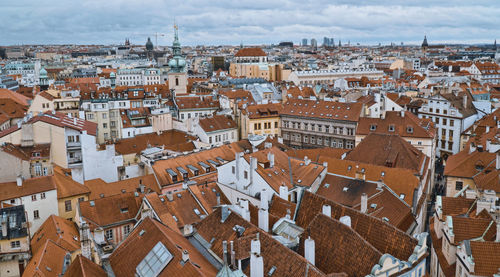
(19, 181)
(218, 198)
(364, 202)
(465, 100)
(237, 164)
(185, 256)
(472, 147)
(307, 161)
(346, 220)
(256, 260)
(498, 232)
(264, 202)
(4, 228)
(327, 210)
(233, 254)
(270, 157)
(224, 252)
(284, 192)
(498, 161)
(415, 201)
(268, 145)
(74, 121)
(245, 210)
(309, 250)
(264, 220)
(487, 129)
(253, 168)
(403, 113)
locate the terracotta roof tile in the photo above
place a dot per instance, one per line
(486, 257)
(11, 190)
(98, 187)
(142, 240)
(61, 231)
(173, 140)
(83, 267)
(322, 109)
(48, 261)
(217, 123)
(250, 52)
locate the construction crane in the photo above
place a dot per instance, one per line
(156, 38)
(156, 35)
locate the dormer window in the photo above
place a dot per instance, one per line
(391, 128)
(409, 130)
(373, 127)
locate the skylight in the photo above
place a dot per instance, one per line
(154, 262)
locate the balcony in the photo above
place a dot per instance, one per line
(73, 145)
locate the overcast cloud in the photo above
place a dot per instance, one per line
(250, 22)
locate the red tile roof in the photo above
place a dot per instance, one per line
(217, 123)
(250, 52)
(322, 109)
(11, 190)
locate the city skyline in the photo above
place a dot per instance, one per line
(250, 23)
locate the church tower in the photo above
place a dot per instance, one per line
(425, 45)
(177, 76)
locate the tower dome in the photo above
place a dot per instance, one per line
(149, 45)
(177, 63)
(43, 72)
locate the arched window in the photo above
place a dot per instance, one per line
(176, 81)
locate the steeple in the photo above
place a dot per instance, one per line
(177, 63)
(424, 43)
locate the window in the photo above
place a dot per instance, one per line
(36, 214)
(109, 234)
(452, 122)
(209, 139)
(443, 133)
(234, 170)
(67, 205)
(373, 127)
(81, 199)
(154, 261)
(430, 110)
(42, 195)
(90, 116)
(444, 121)
(451, 134)
(459, 185)
(104, 115)
(113, 123)
(437, 110)
(71, 139)
(33, 197)
(105, 125)
(245, 174)
(126, 229)
(15, 244)
(391, 128)
(276, 124)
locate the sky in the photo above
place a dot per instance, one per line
(218, 22)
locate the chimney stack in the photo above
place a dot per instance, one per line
(346, 220)
(465, 100)
(309, 250)
(364, 202)
(5, 228)
(403, 113)
(185, 256)
(256, 260)
(237, 164)
(264, 220)
(327, 210)
(253, 168)
(224, 252)
(270, 157)
(19, 181)
(245, 209)
(498, 232)
(498, 161)
(233, 254)
(218, 198)
(307, 161)
(264, 203)
(284, 192)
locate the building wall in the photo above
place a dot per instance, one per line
(74, 202)
(99, 164)
(178, 82)
(274, 121)
(451, 184)
(11, 167)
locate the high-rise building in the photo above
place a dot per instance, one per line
(326, 42)
(314, 43)
(332, 42)
(304, 42)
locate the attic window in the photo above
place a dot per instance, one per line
(327, 185)
(349, 168)
(345, 189)
(124, 210)
(373, 206)
(382, 173)
(373, 127)
(402, 196)
(391, 128)
(196, 211)
(409, 129)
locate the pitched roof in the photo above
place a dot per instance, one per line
(109, 210)
(26, 153)
(250, 52)
(456, 205)
(275, 254)
(11, 190)
(47, 261)
(392, 151)
(383, 236)
(315, 153)
(98, 188)
(486, 257)
(339, 248)
(466, 164)
(59, 230)
(406, 126)
(172, 139)
(83, 267)
(18, 98)
(142, 240)
(465, 228)
(60, 120)
(66, 186)
(263, 110)
(322, 109)
(190, 103)
(217, 123)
